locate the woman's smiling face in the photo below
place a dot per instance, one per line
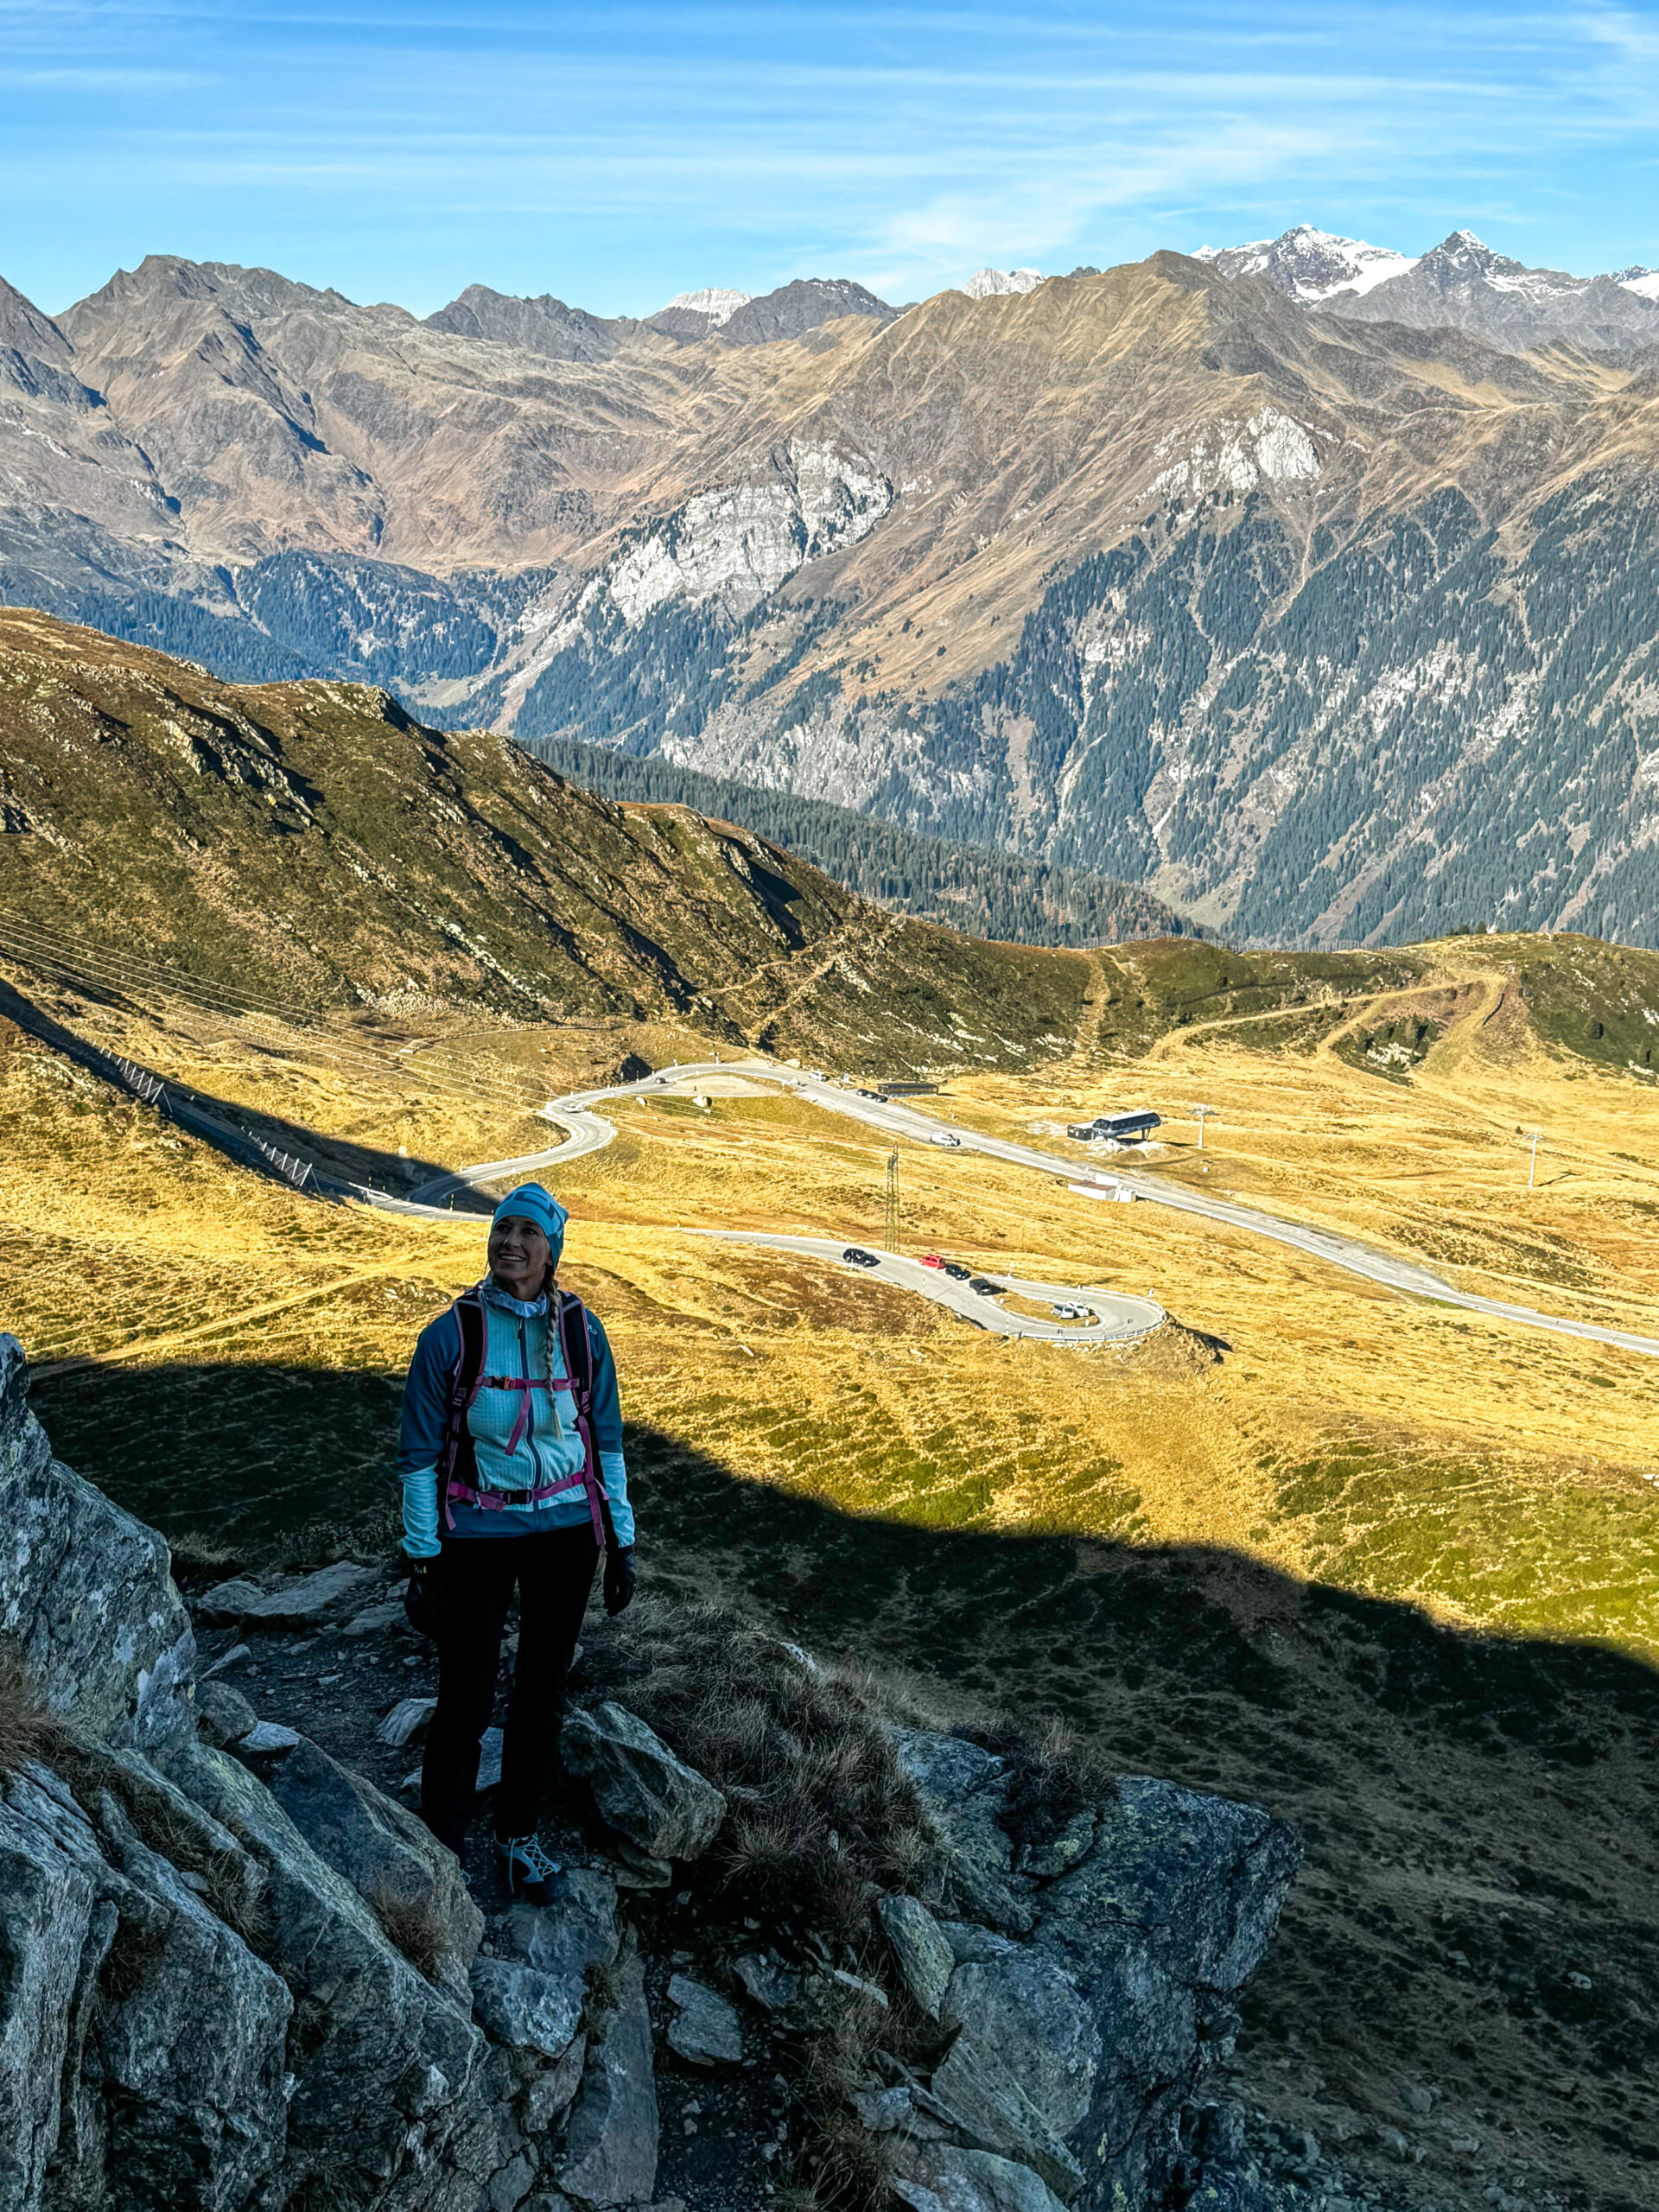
(519, 1256)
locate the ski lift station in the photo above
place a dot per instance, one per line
(1119, 1128)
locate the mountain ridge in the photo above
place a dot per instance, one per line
(1152, 572)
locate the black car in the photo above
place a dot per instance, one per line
(857, 1256)
(957, 1273)
(986, 1287)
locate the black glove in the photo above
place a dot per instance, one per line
(618, 1579)
(420, 1598)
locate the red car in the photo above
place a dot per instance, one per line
(931, 1260)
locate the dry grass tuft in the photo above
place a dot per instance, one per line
(28, 1728)
(410, 1925)
(823, 1819)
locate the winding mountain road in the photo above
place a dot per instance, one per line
(589, 1132)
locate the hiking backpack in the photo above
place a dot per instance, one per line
(457, 1470)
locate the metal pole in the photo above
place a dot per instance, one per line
(891, 1224)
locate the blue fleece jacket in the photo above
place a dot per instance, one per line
(549, 1450)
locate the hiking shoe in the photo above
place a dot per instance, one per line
(525, 1867)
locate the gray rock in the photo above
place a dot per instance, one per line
(388, 1857)
(534, 1995)
(86, 1592)
(1155, 1932)
(192, 2059)
(233, 1657)
(575, 1932)
(949, 2180)
(705, 2028)
(223, 1715)
(963, 1791)
(389, 2062)
(141, 2041)
(610, 2153)
(1072, 1845)
(297, 1601)
(1200, 1878)
(993, 2112)
(526, 2009)
(924, 1956)
(974, 1946)
(550, 2089)
(489, 1760)
(800, 2004)
(1025, 2018)
(375, 1620)
(768, 1985)
(267, 1738)
(406, 1720)
(665, 1807)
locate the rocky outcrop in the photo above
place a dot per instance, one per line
(86, 1592)
(239, 1976)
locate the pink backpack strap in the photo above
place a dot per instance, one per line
(578, 1366)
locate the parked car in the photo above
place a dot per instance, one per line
(931, 1260)
(857, 1256)
(986, 1287)
(943, 1136)
(1068, 1312)
(956, 1272)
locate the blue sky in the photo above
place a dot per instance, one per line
(615, 155)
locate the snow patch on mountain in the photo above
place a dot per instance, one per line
(717, 303)
(1309, 265)
(1236, 457)
(1644, 282)
(992, 283)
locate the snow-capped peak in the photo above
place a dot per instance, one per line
(718, 305)
(1310, 265)
(1644, 282)
(991, 283)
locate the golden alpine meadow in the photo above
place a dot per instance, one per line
(1381, 1563)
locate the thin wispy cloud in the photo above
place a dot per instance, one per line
(617, 155)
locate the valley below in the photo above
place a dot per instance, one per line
(1386, 1567)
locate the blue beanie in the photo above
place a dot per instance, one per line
(529, 1201)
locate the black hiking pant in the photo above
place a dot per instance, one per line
(471, 1586)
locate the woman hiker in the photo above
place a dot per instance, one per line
(511, 1460)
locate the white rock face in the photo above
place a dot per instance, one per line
(991, 283)
(1309, 264)
(1236, 457)
(719, 305)
(1644, 282)
(740, 543)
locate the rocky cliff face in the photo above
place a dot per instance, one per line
(239, 1975)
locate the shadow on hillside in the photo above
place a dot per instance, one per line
(239, 1131)
(1476, 1912)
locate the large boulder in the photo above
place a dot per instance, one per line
(390, 1859)
(86, 1592)
(387, 2064)
(1158, 1930)
(142, 2045)
(641, 1788)
(920, 1949)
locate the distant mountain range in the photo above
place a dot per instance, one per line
(1309, 585)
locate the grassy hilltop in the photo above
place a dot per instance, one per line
(1389, 1567)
